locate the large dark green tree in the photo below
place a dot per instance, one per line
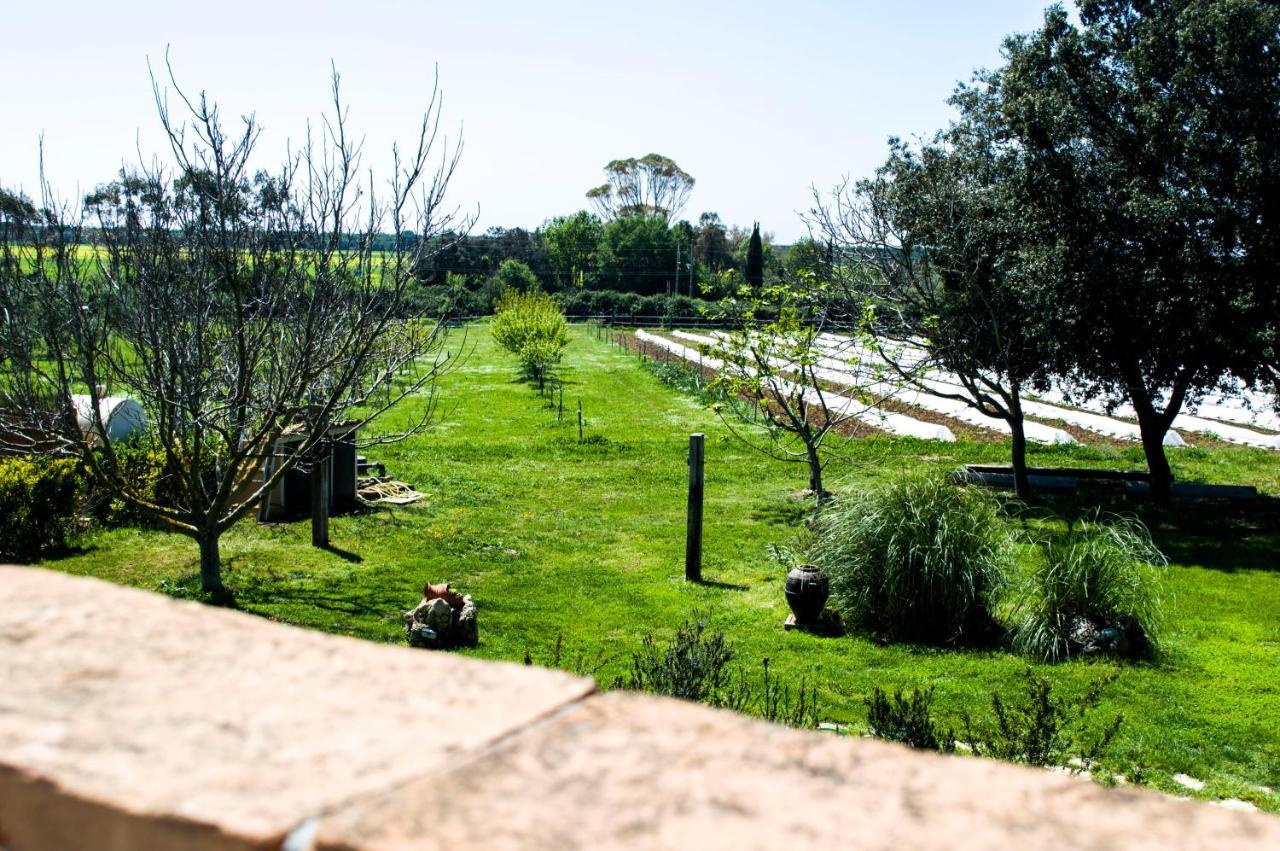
(1152, 137)
(939, 243)
(572, 245)
(638, 254)
(712, 247)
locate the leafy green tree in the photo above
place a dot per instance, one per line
(712, 247)
(945, 251)
(573, 243)
(638, 254)
(514, 275)
(16, 211)
(652, 185)
(1152, 140)
(807, 254)
(531, 326)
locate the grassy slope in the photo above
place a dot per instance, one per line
(587, 541)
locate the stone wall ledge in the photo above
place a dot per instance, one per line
(131, 721)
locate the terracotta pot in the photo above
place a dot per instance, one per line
(807, 590)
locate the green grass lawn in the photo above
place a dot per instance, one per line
(586, 541)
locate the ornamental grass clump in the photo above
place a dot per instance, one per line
(1096, 589)
(532, 327)
(917, 559)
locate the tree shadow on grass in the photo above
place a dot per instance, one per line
(722, 586)
(345, 555)
(256, 591)
(1216, 535)
(783, 511)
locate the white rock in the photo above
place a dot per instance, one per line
(1188, 781)
(1237, 804)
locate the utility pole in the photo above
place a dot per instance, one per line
(693, 264)
(677, 287)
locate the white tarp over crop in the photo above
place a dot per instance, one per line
(837, 370)
(898, 424)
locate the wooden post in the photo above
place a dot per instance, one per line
(579, 420)
(320, 492)
(560, 410)
(693, 534)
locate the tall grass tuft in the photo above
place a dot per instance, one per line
(918, 559)
(1105, 570)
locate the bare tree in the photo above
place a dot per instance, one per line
(238, 307)
(937, 243)
(652, 185)
(778, 359)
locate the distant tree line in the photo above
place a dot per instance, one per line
(633, 244)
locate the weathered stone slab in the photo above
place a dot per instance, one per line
(130, 721)
(623, 771)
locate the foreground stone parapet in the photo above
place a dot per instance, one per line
(131, 721)
(626, 771)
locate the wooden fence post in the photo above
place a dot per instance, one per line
(693, 533)
(320, 492)
(579, 420)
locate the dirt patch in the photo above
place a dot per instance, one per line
(1083, 435)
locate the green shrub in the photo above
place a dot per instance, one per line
(1041, 729)
(1036, 728)
(532, 327)
(1095, 588)
(695, 665)
(907, 720)
(39, 503)
(772, 699)
(918, 559)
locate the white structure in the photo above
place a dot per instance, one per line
(120, 415)
(898, 424)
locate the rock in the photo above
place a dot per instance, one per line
(437, 615)
(1082, 635)
(1190, 782)
(468, 631)
(1237, 804)
(436, 624)
(1086, 637)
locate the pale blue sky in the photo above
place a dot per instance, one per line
(756, 100)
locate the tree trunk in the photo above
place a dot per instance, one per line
(1153, 431)
(1018, 432)
(815, 473)
(210, 562)
(1021, 481)
(1154, 425)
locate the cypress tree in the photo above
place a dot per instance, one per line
(755, 259)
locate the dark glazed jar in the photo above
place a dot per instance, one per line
(807, 590)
